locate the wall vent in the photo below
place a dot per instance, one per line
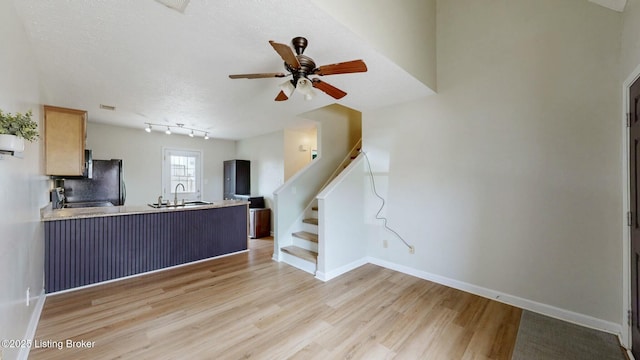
(177, 5)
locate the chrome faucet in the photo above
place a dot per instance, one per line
(175, 199)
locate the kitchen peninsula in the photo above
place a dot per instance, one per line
(84, 246)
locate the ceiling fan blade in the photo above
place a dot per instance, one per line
(353, 66)
(286, 54)
(281, 96)
(257, 76)
(329, 89)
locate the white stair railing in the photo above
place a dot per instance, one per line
(344, 163)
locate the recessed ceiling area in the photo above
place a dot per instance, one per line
(617, 5)
(157, 65)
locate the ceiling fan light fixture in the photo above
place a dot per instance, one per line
(306, 88)
(206, 136)
(300, 67)
(148, 128)
(191, 134)
(287, 88)
(168, 131)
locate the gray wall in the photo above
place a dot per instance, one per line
(509, 179)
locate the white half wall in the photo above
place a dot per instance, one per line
(141, 155)
(509, 178)
(342, 246)
(23, 189)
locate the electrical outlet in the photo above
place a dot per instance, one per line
(385, 244)
(412, 250)
(28, 295)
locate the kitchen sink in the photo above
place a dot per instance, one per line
(196, 203)
(87, 204)
(186, 204)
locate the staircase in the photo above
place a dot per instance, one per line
(304, 248)
(303, 252)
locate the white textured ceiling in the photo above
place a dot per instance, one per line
(617, 5)
(157, 65)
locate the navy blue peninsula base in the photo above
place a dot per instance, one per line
(88, 246)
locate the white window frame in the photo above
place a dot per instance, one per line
(167, 192)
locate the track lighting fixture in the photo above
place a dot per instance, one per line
(192, 132)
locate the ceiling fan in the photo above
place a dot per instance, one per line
(300, 67)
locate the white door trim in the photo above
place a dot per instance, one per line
(626, 189)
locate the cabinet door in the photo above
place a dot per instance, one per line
(229, 179)
(243, 177)
(65, 133)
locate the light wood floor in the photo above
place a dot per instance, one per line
(247, 306)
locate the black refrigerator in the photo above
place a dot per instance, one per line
(106, 185)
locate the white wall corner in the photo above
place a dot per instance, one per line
(341, 270)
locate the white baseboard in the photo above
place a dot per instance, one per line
(630, 355)
(33, 325)
(341, 270)
(544, 309)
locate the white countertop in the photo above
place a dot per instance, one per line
(48, 214)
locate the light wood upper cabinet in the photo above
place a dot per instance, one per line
(65, 134)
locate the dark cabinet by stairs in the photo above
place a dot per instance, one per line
(259, 223)
(236, 178)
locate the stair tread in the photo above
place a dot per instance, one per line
(313, 221)
(314, 208)
(301, 253)
(306, 236)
